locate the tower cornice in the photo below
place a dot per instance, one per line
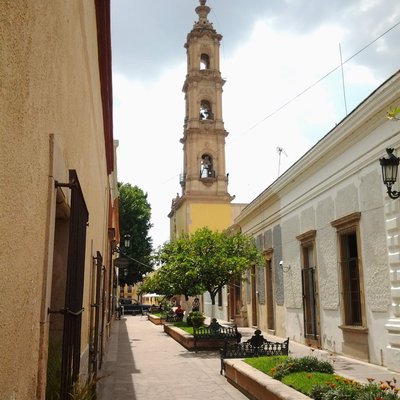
(201, 32)
(190, 132)
(202, 76)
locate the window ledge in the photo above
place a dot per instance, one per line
(354, 329)
(208, 181)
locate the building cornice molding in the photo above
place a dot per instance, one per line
(105, 71)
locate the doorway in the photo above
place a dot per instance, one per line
(254, 314)
(310, 290)
(269, 288)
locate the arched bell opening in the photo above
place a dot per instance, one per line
(204, 61)
(206, 167)
(205, 110)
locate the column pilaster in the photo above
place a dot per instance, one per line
(392, 215)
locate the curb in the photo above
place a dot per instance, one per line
(256, 385)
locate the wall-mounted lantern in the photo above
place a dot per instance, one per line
(127, 241)
(390, 168)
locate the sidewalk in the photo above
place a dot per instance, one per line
(144, 363)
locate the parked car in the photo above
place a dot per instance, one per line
(130, 306)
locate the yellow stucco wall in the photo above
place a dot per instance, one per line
(49, 85)
(217, 217)
(191, 216)
(178, 222)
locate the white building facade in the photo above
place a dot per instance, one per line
(330, 236)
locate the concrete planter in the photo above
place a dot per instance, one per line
(182, 337)
(156, 320)
(253, 383)
(187, 340)
(256, 385)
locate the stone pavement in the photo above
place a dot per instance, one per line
(144, 363)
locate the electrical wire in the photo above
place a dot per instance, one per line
(320, 79)
(133, 259)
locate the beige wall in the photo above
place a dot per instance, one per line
(50, 98)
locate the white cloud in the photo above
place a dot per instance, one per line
(148, 121)
(273, 67)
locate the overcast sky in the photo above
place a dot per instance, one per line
(282, 63)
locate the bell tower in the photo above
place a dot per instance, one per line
(204, 200)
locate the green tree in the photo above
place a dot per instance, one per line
(134, 219)
(157, 283)
(177, 272)
(207, 261)
(394, 113)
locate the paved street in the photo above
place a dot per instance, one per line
(144, 363)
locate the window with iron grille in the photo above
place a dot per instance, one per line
(350, 279)
(269, 287)
(350, 269)
(309, 284)
(309, 292)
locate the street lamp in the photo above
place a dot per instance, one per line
(127, 244)
(390, 168)
(123, 259)
(127, 240)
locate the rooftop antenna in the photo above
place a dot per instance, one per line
(343, 83)
(280, 151)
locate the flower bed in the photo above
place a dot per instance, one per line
(257, 385)
(309, 375)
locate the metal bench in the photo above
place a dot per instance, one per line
(256, 346)
(216, 331)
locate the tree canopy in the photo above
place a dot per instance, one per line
(134, 219)
(205, 261)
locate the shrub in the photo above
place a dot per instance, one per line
(53, 371)
(195, 318)
(350, 390)
(345, 392)
(315, 378)
(266, 364)
(84, 390)
(318, 391)
(304, 364)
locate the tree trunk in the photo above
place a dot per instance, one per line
(185, 305)
(212, 295)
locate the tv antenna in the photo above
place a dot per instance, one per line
(280, 151)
